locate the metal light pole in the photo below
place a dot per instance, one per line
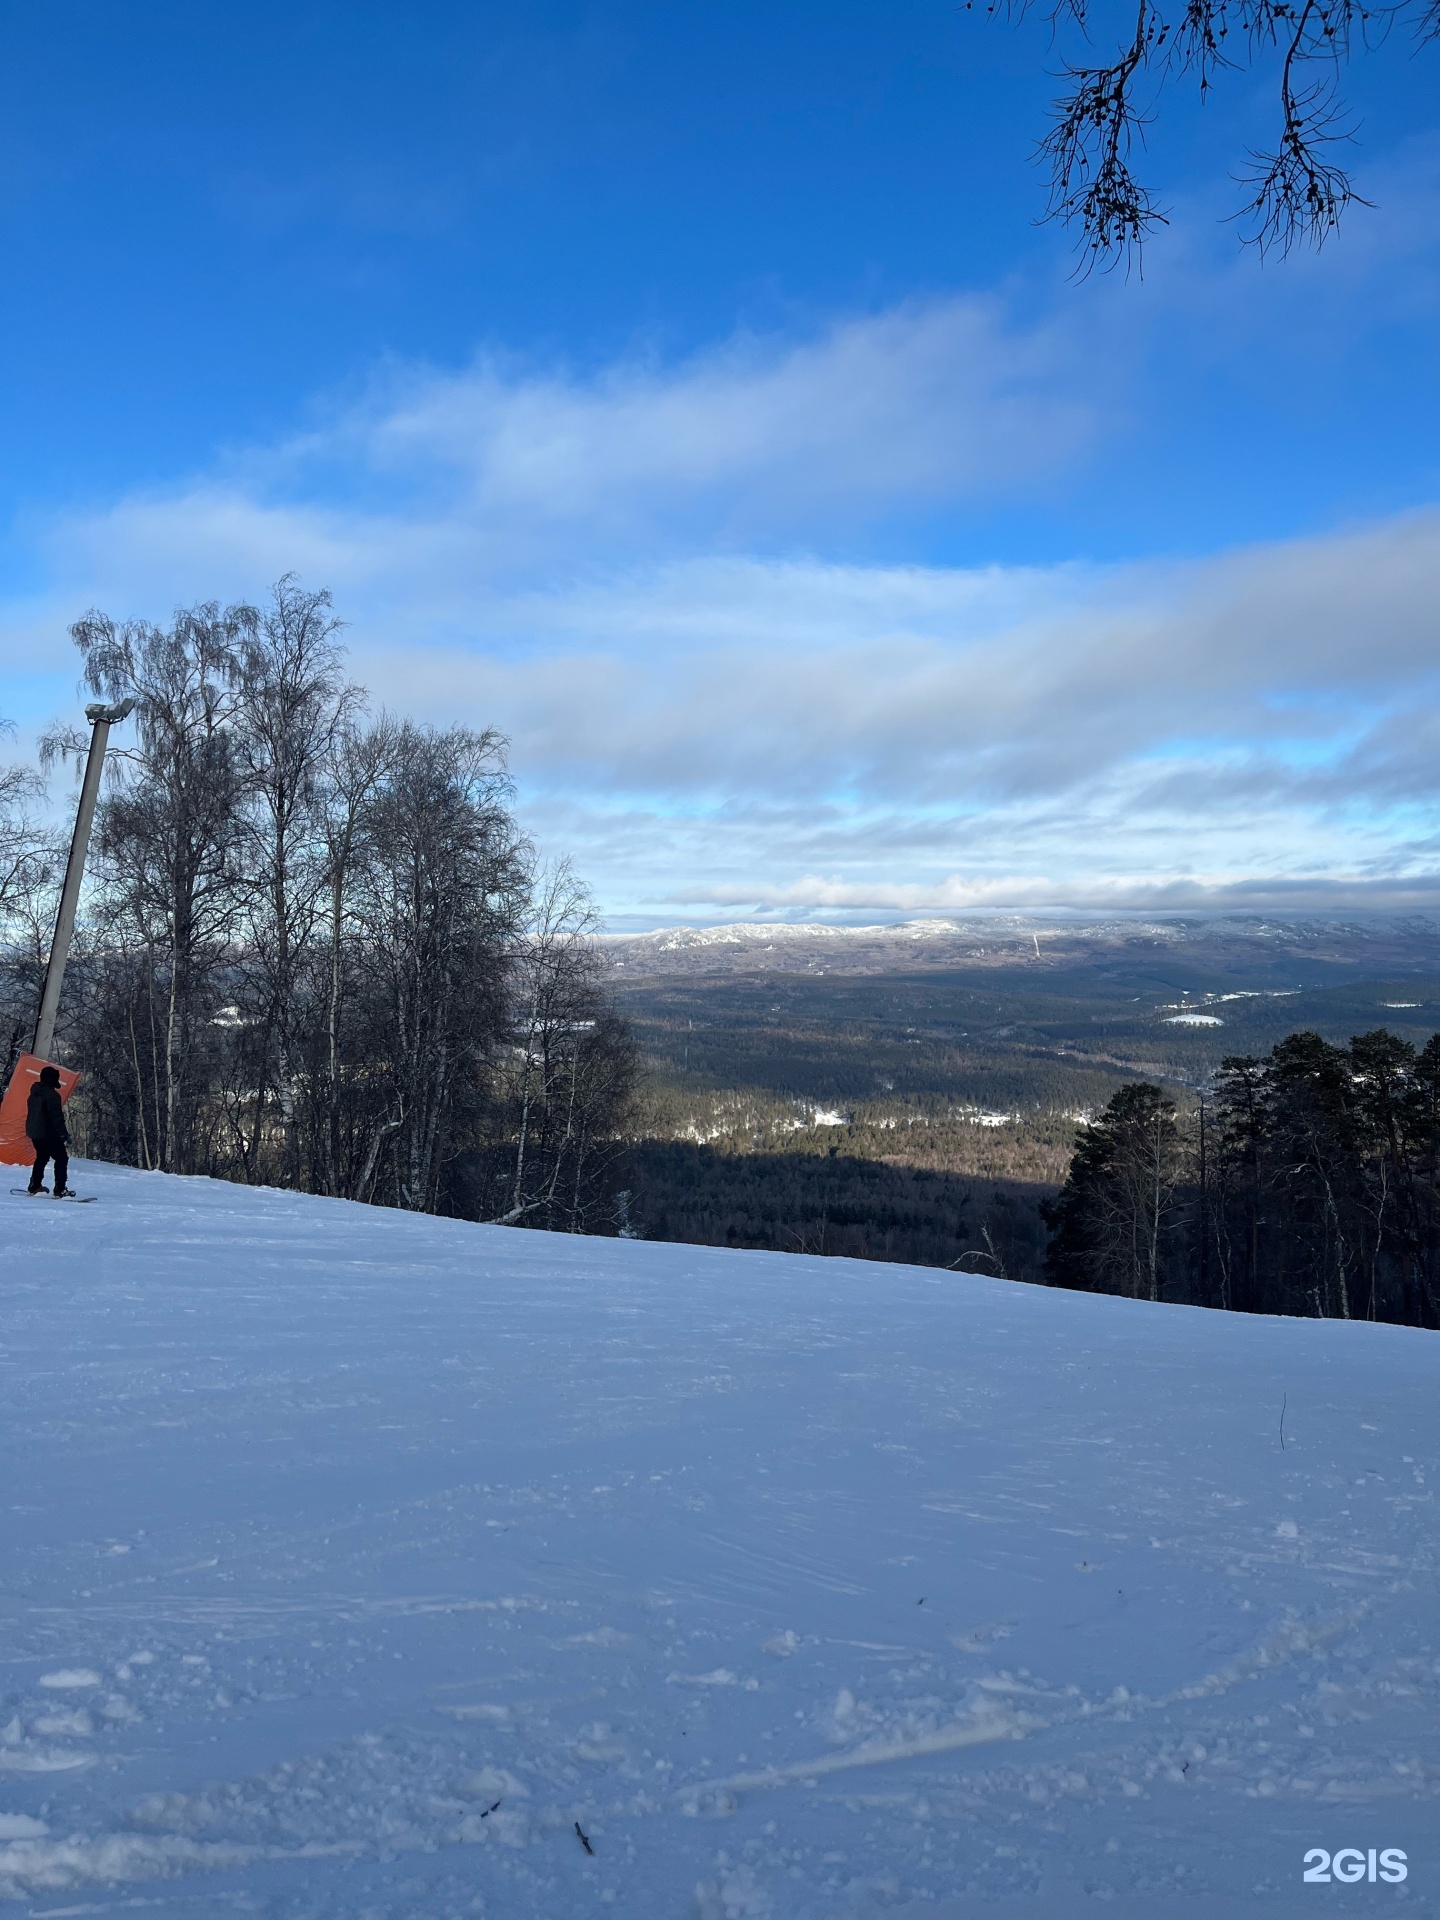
(101, 719)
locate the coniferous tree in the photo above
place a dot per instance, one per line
(1304, 1183)
(1114, 1222)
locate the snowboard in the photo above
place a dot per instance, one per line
(80, 1199)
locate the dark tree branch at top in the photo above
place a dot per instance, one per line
(1296, 193)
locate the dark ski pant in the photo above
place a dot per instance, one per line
(62, 1168)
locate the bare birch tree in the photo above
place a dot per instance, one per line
(440, 893)
(168, 835)
(569, 1068)
(342, 1098)
(310, 942)
(29, 856)
(293, 706)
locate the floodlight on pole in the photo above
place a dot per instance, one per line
(101, 717)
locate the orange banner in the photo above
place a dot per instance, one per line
(15, 1147)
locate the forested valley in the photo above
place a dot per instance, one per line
(977, 1103)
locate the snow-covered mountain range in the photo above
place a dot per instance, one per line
(1237, 944)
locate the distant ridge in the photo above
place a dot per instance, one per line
(1402, 944)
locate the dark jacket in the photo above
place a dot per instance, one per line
(45, 1118)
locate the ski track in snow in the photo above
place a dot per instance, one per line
(355, 1560)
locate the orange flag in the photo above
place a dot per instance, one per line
(15, 1146)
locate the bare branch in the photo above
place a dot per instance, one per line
(63, 743)
(1097, 125)
(1296, 194)
(1299, 195)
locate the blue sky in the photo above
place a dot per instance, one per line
(691, 393)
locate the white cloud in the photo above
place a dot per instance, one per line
(420, 502)
(791, 735)
(929, 401)
(715, 728)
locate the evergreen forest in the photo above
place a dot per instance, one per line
(1306, 1181)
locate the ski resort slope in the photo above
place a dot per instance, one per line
(356, 1564)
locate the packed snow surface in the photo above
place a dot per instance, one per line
(358, 1564)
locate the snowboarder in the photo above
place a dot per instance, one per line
(45, 1125)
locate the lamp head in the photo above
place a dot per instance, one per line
(98, 711)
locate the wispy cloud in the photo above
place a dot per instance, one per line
(759, 438)
(435, 489)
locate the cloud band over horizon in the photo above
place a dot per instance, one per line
(721, 705)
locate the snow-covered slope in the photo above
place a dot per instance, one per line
(354, 1560)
